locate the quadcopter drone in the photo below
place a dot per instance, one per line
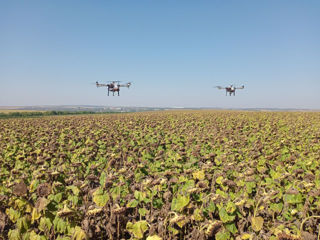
(231, 89)
(113, 86)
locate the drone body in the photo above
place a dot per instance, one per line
(230, 89)
(114, 86)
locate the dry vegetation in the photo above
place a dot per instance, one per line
(165, 175)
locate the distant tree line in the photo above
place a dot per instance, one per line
(46, 113)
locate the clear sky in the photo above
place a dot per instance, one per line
(174, 52)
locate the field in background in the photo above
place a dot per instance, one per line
(18, 110)
(161, 175)
(35, 114)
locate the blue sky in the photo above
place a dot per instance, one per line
(174, 52)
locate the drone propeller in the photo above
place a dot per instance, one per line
(128, 84)
(113, 81)
(219, 87)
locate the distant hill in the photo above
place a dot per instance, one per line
(80, 108)
(93, 108)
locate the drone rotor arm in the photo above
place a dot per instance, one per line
(242, 87)
(125, 85)
(101, 85)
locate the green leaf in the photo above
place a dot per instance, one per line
(218, 161)
(231, 207)
(293, 198)
(219, 180)
(23, 223)
(231, 227)
(12, 214)
(143, 211)
(173, 230)
(34, 236)
(276, 207)
(223, 235)
(246, 236)
(179, 203)
(20, 203)
(187, 185)
(222, 193)
(182, 179)
(197, 215)
(154, 237)
(100, 198)
(35, 215)
(137, 229)
(102, 180)
(33, 185)
(74, 189)
(45, 224)
(250, 186)
(132, 204)
(211, 207)
(74, 199)
(224, 215)
(26, 236)
(157, 203)
(257, 223)
(63, 238)
(79, 234)
(59, 225)
(14, 234)
(140, 196)
(57, 197)
(200, 175)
